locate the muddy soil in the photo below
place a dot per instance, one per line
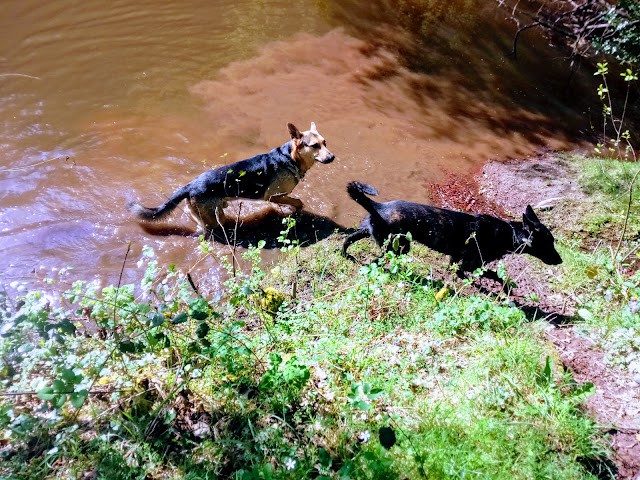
(549, 184)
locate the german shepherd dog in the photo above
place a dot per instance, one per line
(268, 176)
(470, 240)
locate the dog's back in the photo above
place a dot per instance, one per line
(249, 178)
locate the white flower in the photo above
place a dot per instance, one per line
(364, 436)
(290, 463)
(320, 374)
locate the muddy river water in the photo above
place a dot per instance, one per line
(101, 102)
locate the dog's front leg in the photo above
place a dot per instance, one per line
(491, 275)
(506, 283)
(284, 199)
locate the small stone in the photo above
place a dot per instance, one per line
(637, 379)
(201, 430)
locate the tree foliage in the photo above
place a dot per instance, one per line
(586, 26)
(624, 42)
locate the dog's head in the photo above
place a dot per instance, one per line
(540, 239)
(309, 147)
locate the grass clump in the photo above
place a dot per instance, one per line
(610, 183)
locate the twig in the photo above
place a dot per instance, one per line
(631, 252)
(515, 38)
(19, 169)
(235, 236)
(19, 75)
(234, 260)
(92, 392)
(355, 285)
(115, 298)
(413, 446)
(193, 285)
(117, 404)
(287, 424)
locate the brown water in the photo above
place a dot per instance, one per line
(104, 101)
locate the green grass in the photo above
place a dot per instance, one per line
(606, 295)
(608, 182)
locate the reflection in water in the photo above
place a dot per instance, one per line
(143, 97)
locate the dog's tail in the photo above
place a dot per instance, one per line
(359, 191)
(161, 212)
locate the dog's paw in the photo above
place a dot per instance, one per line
(297, 204)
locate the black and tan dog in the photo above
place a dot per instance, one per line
(268, 176)
(470, 240)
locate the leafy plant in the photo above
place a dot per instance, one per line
(457, 316)
(284, 380)
(63, 388)
(620, 143)
(361, 395)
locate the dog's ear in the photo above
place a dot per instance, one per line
(530, 215)
(313, 128)
(526, 223)
(294, 132)
(530, 219)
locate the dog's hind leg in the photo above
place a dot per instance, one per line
(284, 199)
(195, 212)
(207, 214)
(352, 238)
(218, 213)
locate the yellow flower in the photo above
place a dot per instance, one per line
(270, 300)
(442, 294)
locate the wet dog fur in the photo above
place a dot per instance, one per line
(270, 176)
(471, 240)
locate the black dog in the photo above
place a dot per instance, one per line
(470, 240)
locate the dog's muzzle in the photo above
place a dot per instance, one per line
(552, 259)
(329, 159)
